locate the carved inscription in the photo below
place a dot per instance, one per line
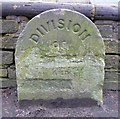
(35, 38)
(60, 25)
(60, 54)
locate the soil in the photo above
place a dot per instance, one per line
(59, 107)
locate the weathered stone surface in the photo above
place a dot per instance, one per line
(112, 85)
(5, 83)
(9, 26)
(3, 72)
(111, 45)
(106, 30)
(11, 17)
(7, 57)
(111, 81)
(117, 28)
(111, 75)
(60, 53)
(115, 24)
(12, 72)
(105, 22)
(8, 42)
(19, 19)
(112, 62)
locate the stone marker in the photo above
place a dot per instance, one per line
(60, 54)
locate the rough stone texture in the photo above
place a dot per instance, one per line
(112, 75)
(12, 72)
(7, 57)
(11, 17)
(8, 42)
(111, 45)
(19, 19)
(105, 22)
(9, 26)
(112, 85)
(60, 54)
(6, 82)
(3, 73)
(114, 24)
(106, 30)
(117, 28)
(112, 62)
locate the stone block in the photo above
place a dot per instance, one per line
(112, 75)
(7, 57)
(3, 73)
(112, 62)
(11, 17)
(115, 36)
(8, 42)
(112, 85)
(111, 81)
(115, 27)
(106, 30)
(19, 19)
(5, 83)
(118, 28)
(60, 54)
(114, 24)
(12, 72)
(9, 26)
(111, 45)
(22, 19)
(104, 22)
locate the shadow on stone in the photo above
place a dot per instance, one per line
(59, 103)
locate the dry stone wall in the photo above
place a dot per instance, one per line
(12, 27)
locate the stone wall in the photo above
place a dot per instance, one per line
(12, 27)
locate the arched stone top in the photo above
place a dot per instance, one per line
(61, 32)
(60, 53)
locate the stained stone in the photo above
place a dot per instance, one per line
(60, 54)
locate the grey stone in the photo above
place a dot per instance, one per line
(112, 85)
(11, 17)
(60, 53)
(6, 82)
(104, 22)
(106, 30)
(7, 57)
(112, 75)
(9, 26)
(3, 73)
(19, 19)
(8, 42)
(112, 62)
(111, 45)
(111, 81)
(12, 72)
